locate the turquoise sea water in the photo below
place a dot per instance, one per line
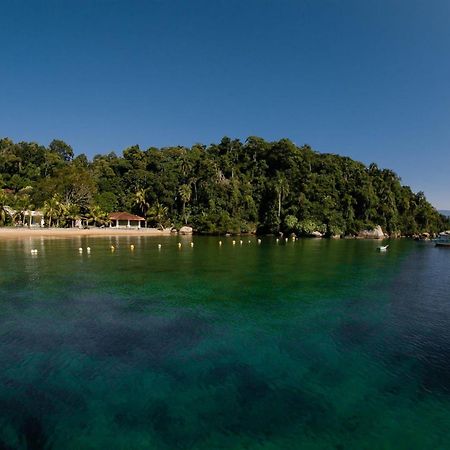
(315, 344)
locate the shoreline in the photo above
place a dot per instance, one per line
(10, 232)
(25, 232)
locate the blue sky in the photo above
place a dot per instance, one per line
(368, 79)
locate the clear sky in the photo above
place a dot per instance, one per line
(365, 78)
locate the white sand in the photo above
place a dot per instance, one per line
(17, 233)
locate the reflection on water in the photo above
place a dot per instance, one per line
(313, 344)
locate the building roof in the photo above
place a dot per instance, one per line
(33, 213)
(124, 216)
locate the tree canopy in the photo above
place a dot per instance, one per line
(231, 186)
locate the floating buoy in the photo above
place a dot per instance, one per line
(220, 243)
(159, 246)
(88, 249)
(249, 242)
(240, 242)
(278, 240)
(192, 244)
(234, 242)
(179, 244)
(112, 248)
(286, 239)
(80, 250)
(131, 247)
(34, 251)
(259, 241)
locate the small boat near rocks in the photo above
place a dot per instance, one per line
(443, 240)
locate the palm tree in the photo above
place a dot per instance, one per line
(185, 192)
(281, 188)
(71, 212)
(23, 204)
(158, 214)
(185, 164)
(4, 210)
(98, 216)
(53, 210)
(141, 202)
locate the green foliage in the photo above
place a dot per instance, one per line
(157, 216)
(229, 187)
(53, 210)
(63, 150)
(97, 216)
(140, 201)
(71, 213)
(185, 192)
(5, 215)
(308, 226)
(291, 222)
(107, 201)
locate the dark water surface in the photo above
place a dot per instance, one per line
(312, 345)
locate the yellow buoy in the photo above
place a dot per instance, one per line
(220, 243)
(112, 248)
(131, 247)
(234, 242)
(240, 242)
(192, 244)
(88, 249)
(179, 244)
(80, 250)
(159, 246)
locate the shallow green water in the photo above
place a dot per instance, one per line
(312, 345)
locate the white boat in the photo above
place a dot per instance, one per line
(383, 248)
(443, 240)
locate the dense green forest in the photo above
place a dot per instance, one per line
(233, 186)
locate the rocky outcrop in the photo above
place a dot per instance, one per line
(422, 237)
(376, 233)
(185, 230)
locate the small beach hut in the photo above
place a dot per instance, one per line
(33, 218)
(125, 220)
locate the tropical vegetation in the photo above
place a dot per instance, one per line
(231, 186)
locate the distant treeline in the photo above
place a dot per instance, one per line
(233, 186)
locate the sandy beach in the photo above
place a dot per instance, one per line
(17, 233)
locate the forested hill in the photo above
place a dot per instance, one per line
(227, 187)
